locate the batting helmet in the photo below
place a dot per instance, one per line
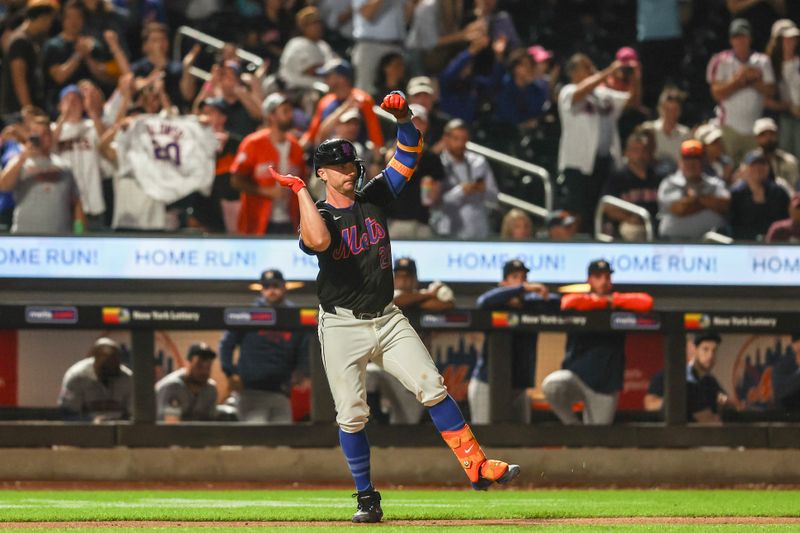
(336, 152)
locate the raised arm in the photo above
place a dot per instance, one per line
(409, 143)
(313, 230)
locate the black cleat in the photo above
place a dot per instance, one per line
(369, 507)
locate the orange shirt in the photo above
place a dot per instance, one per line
(369, 117)
(256, 154)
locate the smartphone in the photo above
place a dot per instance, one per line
(35, 140)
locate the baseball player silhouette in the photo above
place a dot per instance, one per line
(358, 322)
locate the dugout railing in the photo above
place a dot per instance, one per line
(143, 430)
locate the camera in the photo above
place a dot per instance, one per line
(35, 140)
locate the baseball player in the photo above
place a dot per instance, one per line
(358, 322)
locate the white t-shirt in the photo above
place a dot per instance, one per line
(299, 54)
(585, 122)
(790, 81)
(741, 109)
(693, 226)
(668, 145)
(77, 146)
(171, 157)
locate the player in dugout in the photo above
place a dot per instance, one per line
(358, 321)
(594, 365)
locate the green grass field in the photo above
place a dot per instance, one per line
(336, 505)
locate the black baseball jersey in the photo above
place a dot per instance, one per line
(355, 272)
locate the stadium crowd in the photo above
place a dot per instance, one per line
(690, 110)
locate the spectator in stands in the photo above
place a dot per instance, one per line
(690, 202)
(783, 53)
(338, 17)
(101, 17)
(268, 208)
(523, 95)
(516, 226)
(391, 74)
(594, 364)
(409, 216)
(461, 88)
(189, 393)
(740, 80)
(225, 201)
(716, 161)
(756, 201)
(588, 145)
(244, 110)
(305, 53)
(627, 79)
(659, 32)
(786, 377)
(788, 229)
(668, 132)
(67, 57)
(379, 28)
(468, 187)
(267, 33)
(77, 143)
(267, 360)
(760, 15)
(514, 292)
(46, 196)
(498, 24)
(177, 78)
(783, 166)
(98, 387)
(705, 397)
(436, 26)
(420, 91)
(338, 75)
(637, 183)
(561, 226)
(21, 80)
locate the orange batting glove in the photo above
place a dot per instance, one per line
(395, 104)
(287, 180)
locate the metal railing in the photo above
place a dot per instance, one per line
(718, 238)
(628, 207)
(208, 40)
(513, 201)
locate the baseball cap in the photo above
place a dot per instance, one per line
(627, 55)
(272, 102)
(201, 350)
(559, 218)
(69, 89)
(233, 65)
(42, 3)
(754, 156)
(539, 53)
(781, 25)
(691, 149)
(764, 124)
(707, 336)
(739, 27)
(307, 15)
(600, 265)
(218, 103)
(418, 111)
(272, 277)
(349, 115)
(419, 84)
(336, 66)
(792, 31)
(406, 264)
(708, 133)
(514, 265)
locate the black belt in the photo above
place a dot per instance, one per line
(361, 315)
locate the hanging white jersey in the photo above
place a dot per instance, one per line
(171, 157)
(77, 146)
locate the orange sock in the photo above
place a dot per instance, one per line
(467, 450)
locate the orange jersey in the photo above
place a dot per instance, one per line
(256, 154)
(329, 103)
